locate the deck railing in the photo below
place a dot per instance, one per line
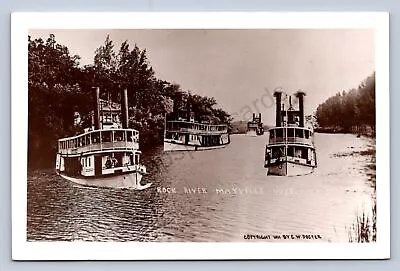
(118, 145)
(298, 140)
(197, 132)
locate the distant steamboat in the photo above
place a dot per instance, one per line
(106, 154)
(183, 133)
(290, 150)
(255, 126)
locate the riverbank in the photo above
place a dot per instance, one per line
(368, 131)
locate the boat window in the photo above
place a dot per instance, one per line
(304, 153)
(271, 134)
(119, 135)
(96, 137)
(87, 139)
(290, 132)
(306, 134)
(277, 152)
(129, 136)
(136, 159)
(279, 133)
(106, 136)
(117, 159)
(298, 152)
(290, 151)
(299, 133)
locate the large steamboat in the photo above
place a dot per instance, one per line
(290, 150)
(106, 154)
(183, 133)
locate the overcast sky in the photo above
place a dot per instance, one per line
(237, 67)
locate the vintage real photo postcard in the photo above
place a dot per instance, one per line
(148, 136)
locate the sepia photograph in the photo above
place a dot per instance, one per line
(197, 135)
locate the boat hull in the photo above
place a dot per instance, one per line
(129, 181)
(287, 168)
(251, 133)
(169, 146)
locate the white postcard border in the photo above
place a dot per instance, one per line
(24, 250)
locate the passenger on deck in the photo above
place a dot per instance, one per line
(268, 157)
(108, 162)
(115, 162)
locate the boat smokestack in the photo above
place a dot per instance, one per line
(300, 96)
(254, 116)
(189, 111)
(96, 103)
(175, 105)
(188, 107)
(124, 108)
(278, 96)
(259, 116)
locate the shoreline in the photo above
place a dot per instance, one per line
(331, 130)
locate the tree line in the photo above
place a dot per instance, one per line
(58, 87)
(349, 111)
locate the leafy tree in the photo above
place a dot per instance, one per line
(58, 87)
(350, 111)
(54, 94)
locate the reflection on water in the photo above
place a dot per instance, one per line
(218, 195)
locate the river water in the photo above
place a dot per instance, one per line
(216, 195)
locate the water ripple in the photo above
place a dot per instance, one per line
(324, 203)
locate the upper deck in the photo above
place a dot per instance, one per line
(253, 125)
(99, 140)
(255, 122)
(295, 135)
(182, 126)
